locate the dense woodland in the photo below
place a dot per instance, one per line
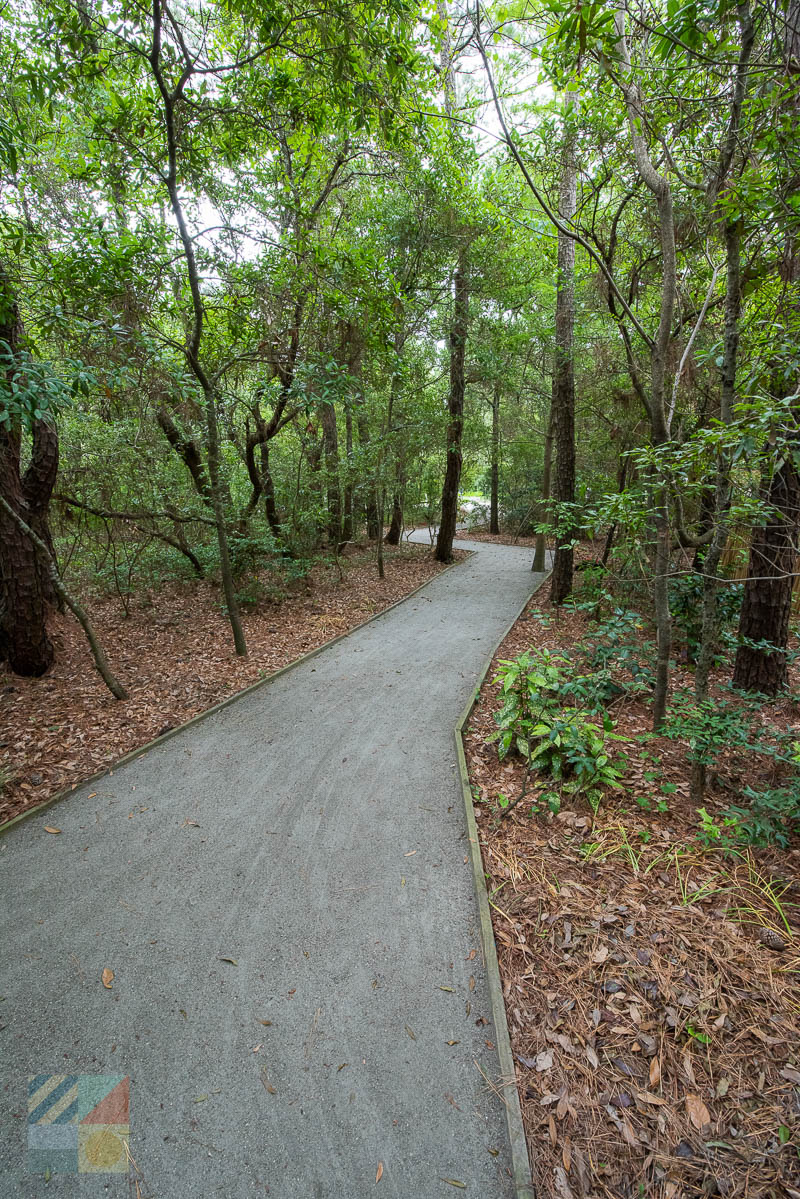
(280, 279)
(282, 282)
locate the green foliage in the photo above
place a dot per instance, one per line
(572, 749)
(540, 720)
(710, 727)
(530, 685)
(685, 603)
(31, 390)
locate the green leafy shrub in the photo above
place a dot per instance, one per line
(573, 749)
(686, 606)
(541, 720)
(708, 727)
(530, 684)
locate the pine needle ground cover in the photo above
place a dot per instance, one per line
(651, 970)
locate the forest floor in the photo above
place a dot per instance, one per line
(656, 1037)
(173, 653)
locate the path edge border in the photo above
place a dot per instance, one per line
(132, 754)
(520, 1159)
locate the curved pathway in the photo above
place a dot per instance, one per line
(313, 832)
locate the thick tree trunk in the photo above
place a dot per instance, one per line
(268, 486)
(41, 550)
(26, 590)
(452, 476)
(771, 570)
(563, 404)
(767, 603)
(23, 607)
(494, 498)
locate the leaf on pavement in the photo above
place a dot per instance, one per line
(49, 828)
(107, 978)
(379, 1174)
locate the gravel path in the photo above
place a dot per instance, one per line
(314, 833)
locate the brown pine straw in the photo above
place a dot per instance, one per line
(656, 1038)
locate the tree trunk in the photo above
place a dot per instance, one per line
(452, 477)
(347, 521)
(370, 502)
(330, 438)
(563, 404)
(767, 603)
(26, 590)
(171, 99)
(43, 553)
(540, 552)
(268, 486)
(494, 501)
(659, 421)
(710, 628)
(396, 524)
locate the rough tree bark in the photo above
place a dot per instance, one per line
(771, 572)
(452, 476)
(774, 548)
(26, 591)
(80, 614)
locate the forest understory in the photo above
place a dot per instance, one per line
(172, 653)
(650, 974)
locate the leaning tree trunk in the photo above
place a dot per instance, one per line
(452, 476)
(26, 591)
(563, 405)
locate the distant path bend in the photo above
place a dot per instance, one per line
(314, 832)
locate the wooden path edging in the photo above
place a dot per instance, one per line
(520, 1161)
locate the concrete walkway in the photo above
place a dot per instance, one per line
(314, 833)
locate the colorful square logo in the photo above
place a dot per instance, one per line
(78, 1123)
